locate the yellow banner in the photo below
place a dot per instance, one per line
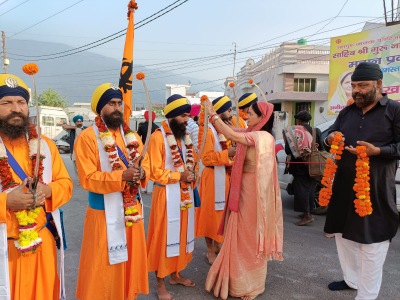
(381, 46)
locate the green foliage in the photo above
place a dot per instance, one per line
(50, 97)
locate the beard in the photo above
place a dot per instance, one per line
(78, 125)
(114, 119)
(178, 129)
(226, 116)
(14, 131)
(364, 100)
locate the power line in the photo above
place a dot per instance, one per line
(53, 15)
(13, 7)
(108, 38)
(333, 17)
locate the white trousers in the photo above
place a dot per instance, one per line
(362, 265)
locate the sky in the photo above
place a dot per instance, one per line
(192, 38)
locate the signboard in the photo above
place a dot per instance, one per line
(381, 46)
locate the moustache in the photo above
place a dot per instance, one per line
(15, 114)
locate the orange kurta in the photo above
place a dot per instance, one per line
(35, 276)
(207, 218)
(157, 231)
(242, 123)
(97, 279)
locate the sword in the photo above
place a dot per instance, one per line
(31, 69)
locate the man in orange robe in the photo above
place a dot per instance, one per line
(113, 262)
(33, 274)
(170, 238)
(214, 183)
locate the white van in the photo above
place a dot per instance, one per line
(51, 119)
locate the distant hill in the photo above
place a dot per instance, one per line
(76, 76)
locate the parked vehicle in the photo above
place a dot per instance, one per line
(284, 179)
(51, 119)
(62, 142)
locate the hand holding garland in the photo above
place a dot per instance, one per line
(371, 150)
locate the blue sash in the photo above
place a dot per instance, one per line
(96, 201)
(122, 156)
(50, 222)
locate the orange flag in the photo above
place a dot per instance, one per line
(125, 77)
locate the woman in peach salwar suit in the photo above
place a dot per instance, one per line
(253, 224)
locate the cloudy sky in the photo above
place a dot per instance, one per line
(189, 37)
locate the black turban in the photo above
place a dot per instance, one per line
(303, 115)
(366, 71)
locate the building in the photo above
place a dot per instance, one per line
(293, 77)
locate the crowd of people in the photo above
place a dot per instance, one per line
(240, 209)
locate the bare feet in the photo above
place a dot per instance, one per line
(177, 279)
(211, 256)
(246, 298)
(329, 235)
(163, 293)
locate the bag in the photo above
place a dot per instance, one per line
(317, 160)
(299, 140)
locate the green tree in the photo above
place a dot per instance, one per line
(50, 97)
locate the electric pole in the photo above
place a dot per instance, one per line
(6, 62)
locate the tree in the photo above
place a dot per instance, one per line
(50, 97)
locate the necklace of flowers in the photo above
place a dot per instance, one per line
(179, 165)
(130, 190)
(361, 186)
(28, 240)
(337, 148)
(225, 144)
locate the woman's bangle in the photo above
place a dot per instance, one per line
(326, 144)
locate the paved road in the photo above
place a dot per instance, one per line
(310, 259)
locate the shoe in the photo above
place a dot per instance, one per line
(322, 210)
(301, 216)
(339, 286)
(305, 220)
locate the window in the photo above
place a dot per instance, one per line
(304, 84)
(47, 121)
(60, 121)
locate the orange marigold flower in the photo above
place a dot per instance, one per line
(203, 98)
(250, 81)
(30, 68)
(231, 84)
(140, 76)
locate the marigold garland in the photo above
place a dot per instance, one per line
(131, 188)
(337, 148)
(28, 240)
(224, 142)
(362, 203)
(179, 165)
